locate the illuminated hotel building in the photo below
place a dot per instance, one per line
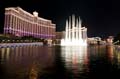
(20, 23)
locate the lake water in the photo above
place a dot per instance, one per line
(45, 62)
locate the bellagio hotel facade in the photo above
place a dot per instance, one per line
(19, 22)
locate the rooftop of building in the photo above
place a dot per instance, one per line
(35, 13)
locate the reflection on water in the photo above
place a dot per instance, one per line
(25, 62)
(42, 62)
(113, 55)
(110, 54)
(117, 56)
(33, 73)
(76, 59)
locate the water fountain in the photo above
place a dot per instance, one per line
(75, 34)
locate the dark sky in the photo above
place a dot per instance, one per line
(101, 17)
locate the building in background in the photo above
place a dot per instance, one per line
(96, 41)
(110, 40)
(19, 22)
(59, 36)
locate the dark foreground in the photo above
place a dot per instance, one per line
(43, 62)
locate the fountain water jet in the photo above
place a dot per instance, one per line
(75, 34)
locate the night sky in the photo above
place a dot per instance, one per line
(101, 17)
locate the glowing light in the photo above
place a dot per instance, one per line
(75, 35)
(75, 57)
(35, 14)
